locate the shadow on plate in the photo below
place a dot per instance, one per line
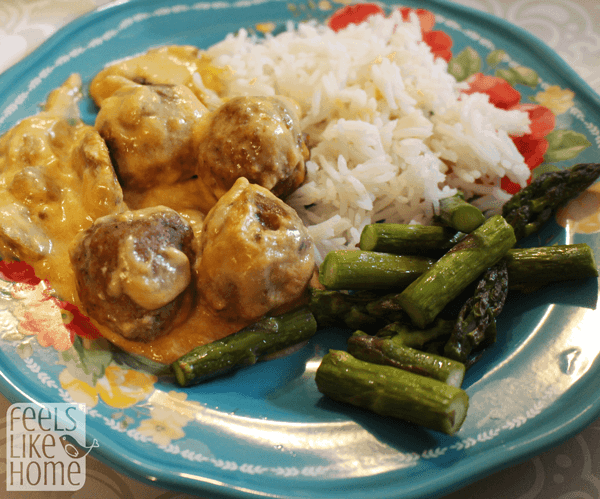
(396, 433)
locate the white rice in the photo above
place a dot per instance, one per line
(391, 132)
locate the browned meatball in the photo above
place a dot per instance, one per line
(255, 253)
(133, 270)
(149, 130)
(258, 138)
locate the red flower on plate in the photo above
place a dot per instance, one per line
(39, 315)
(18, 272)
(76, 322)
(353, 14)
(438, 41)
(54, 321)
(49, 332)
(500, 92)
(426, 18)
(533, 145)
(542, 119)
(507, 185)
(531, 149)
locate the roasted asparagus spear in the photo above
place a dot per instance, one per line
(533, 205)
(267, 336)
(389, 391)
(424, 298)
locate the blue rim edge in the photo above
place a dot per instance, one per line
(540, 439)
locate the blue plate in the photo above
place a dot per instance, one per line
(265, 431)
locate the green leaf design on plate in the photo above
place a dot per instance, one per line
(565, 144)
(507, 74)
(495, 57)
(86, 364)
(520, 74)
(465, 64)
(527, 76)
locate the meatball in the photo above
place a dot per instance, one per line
(170, 64)
(255, 253)
(149, 130)
(258, 138)
(133, 270)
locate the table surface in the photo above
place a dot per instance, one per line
(568, 471)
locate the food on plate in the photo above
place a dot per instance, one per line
(423, 300)
(56, 177)
(390, 131)
(133, 271)
(395, 350)
(408, 239)
(352, 269)
(150, 131)
(168, 65)
(269, 336)
(255, 255)
(443, 348)
(533, 206)
(456, 213)
(376, 308)
(258, 138)
(169, 149)
(156, 278)
(360, 269)
(476, 322)
(358, 310)
(394, 392)
(539, 266)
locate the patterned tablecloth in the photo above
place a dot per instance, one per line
(572, 29)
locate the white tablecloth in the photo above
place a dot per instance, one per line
(572, 29)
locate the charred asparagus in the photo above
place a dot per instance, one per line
(476, 320)
(533, 205)
(392, 351)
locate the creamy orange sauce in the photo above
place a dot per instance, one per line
(57, 178)
(198, 326)
(191, 196)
